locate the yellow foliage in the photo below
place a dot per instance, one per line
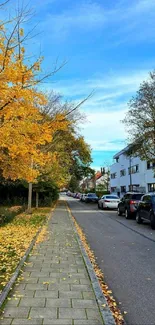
(23, 129)
(21, 32)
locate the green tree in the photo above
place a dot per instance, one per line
(73, 184)
(140, 121)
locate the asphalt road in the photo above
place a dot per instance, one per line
(125, 253)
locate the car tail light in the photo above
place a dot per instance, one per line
(106, 201)
(133, 202)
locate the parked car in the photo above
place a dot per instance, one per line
(78, 196)
(146, 209)
(128, 204)
(83, 197)
(91, 197)
(108, 201)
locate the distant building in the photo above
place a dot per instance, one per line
(86, 184)
(101, 178)
(131, 174)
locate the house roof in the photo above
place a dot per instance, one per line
(98, 175)
(121, 152)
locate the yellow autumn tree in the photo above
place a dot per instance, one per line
(23, 128)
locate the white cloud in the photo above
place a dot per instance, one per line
(125, 18)
(108, 89)
(103, 129)
(85, 16)
(143, 6)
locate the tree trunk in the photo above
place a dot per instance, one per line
(30, 193)
(37, 199)
(29, 198)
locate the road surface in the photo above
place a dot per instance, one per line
(125, 253)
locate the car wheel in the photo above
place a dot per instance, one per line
(127, 214)
(119, 212)
(152, 219)
(138, 218)
(102, 207)
(98, 206)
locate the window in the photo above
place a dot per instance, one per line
(111, 197)
(128, 196)
(133, 169)
(150, 164)
(117, 159)
(133, 187)
(113, 175)
(123, 189)
(113, 189)
(146, 198)
(122, 172)
(151, 187)
(137, 196)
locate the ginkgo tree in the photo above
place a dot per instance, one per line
(33, 141)
(23, 129)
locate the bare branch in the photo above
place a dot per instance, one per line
(4, 3)
(78, 105)
(36, 82)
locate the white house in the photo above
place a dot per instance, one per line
(104, 181)
(131, 173)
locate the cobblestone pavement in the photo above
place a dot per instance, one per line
(56, 288)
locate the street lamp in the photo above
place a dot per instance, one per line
(130, 160)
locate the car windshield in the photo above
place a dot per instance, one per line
(92, 195)
(137, 196)
(153, 199)
(114, 197)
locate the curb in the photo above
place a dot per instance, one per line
(11, 282)
(106, 313)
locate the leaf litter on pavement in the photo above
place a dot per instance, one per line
(15, 238)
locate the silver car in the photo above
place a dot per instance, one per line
(83, 197)
(108, 202)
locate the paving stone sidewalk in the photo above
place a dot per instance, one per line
(56, 288)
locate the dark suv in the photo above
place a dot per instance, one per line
(146, 209)
(128, 204)
(91, 197)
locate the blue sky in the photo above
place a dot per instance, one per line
(109, 46)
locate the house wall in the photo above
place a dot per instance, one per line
(141, 178)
